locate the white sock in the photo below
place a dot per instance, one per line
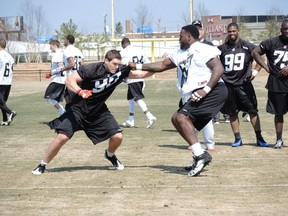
(131, 105)
(149, 115)
(131, 118)
(197, 149)
(109, 154)
(43, 163)
(142, 105)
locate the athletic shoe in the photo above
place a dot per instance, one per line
(39, 170)
(237, 143)
(128, 124)
(151, 121)
(199, 163)
(11, 116)
(115, 162)
(210, 147)
(227, 121)
(279, 144)
(4, 123)
(262, 143)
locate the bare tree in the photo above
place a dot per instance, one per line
(35, 25)
(272, 25)
(144, 16)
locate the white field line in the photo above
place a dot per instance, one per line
(147, 186)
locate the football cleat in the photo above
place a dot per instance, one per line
(199, 163)
(151, 121)
(11, 117)
(262, 143)
(39, 170)
(4, 123)
(115, 162)
(128, 124)
(237, 143)
(279, 144)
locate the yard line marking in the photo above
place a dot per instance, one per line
(145, 186)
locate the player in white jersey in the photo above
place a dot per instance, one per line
(73, 58)
(6, 74)
(135, 86)
(55, 91)
(204, 88)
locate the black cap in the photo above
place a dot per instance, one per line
(197, 22)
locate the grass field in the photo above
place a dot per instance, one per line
(240, 181)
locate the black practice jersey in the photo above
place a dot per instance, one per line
(102, 83)
(277, 57)
(237, 62)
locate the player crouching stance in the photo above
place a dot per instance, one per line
(93, 85)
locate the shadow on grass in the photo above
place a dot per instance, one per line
(72, 169)
(228, 144)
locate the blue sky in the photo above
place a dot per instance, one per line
(89, 14)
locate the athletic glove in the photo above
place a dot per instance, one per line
(85, 93)
(48, 75)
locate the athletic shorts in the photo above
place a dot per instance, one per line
(203, 111)
(240, 98)
(55, 91)
(135, 91)
(97, 129)
(4, 93)
(277, 103)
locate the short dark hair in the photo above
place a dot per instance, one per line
(233, 24)
(55, 42)
(112, 54)
(125, 41)
(192, 30)
(2, 43)
(70, 38)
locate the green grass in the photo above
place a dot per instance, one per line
(240, 181)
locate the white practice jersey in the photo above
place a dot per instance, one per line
(6, 68)
(192, 71)
(57, 58)
(135, 55)
(72, 51)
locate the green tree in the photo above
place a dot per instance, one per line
(271, 30)
(66, 29)
(118, 29)
(245, 33)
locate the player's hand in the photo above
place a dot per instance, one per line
(254, 74)
(48, 75)
(85, 93)
(284, 71)
(198, 95)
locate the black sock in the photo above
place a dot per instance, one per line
(279, 136)
(258, 134)
(237, 136)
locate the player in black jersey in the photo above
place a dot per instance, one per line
(93, 85)
(237, 61)
(276, 50)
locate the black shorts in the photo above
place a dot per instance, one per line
(277, 103)
(203, 111)
(4, 93)
(97, 129)
(135, 91)
(55, 91)
(240, 98)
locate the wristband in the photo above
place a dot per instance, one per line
(254, 72)
(78, 91)
(207, 89)
(138, 66)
